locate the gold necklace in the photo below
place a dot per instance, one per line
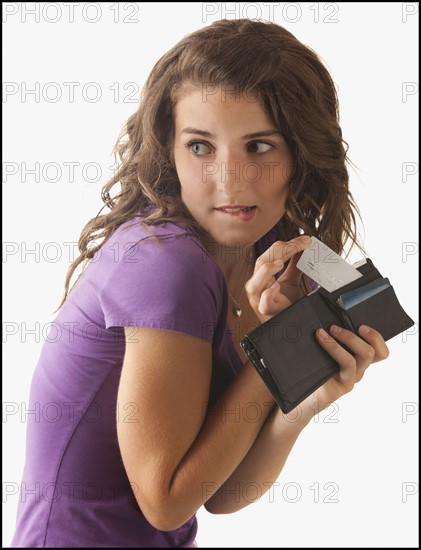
(237, 311)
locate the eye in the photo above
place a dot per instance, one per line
(259, 147)
(198, 148)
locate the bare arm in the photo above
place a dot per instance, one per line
(170, 451)
(261, 467)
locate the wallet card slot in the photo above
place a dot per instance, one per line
(362, 293)
(370, 275)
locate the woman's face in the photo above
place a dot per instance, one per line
(232, 163)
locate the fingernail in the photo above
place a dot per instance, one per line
(334, 329)
(278, 262)
(274, 285)
(306, 238)
(364, 329)
(323, 333)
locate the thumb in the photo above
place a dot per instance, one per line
(291, 274)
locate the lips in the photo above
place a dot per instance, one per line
(235, 209)
(241, 212)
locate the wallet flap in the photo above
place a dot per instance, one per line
(383, 312)
(288, 399)
(287, 343)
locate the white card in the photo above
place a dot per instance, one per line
(326, 267)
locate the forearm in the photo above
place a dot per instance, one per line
(261, 466)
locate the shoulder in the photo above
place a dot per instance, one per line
(170, 246)
(161, 277)
(168, 260)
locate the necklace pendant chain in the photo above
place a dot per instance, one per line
(237, 311)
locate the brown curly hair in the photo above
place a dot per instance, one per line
(295, 89)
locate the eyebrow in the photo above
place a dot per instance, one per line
(204, 133)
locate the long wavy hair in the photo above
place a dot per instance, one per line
(294, 88)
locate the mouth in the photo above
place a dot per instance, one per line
(245, 213)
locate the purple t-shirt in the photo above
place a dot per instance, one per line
(75, 491)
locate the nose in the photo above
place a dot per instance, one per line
(230, 176)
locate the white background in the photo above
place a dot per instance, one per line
(367, 448)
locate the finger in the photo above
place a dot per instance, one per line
(376, 340)
(364, 353)
(263, 278)
(267, 304)
(292, 275)
(284, 251)
(347, 363)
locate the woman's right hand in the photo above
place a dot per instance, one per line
(267, 295)
(268, 299)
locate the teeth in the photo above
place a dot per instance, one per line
(246, 209)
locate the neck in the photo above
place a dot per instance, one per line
(234, 262)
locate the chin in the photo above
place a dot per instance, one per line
(239, 242)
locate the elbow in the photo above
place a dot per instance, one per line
(217, 505)
(164, 516)
(212, 507)
(164, 521)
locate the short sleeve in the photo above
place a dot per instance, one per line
(172, 285)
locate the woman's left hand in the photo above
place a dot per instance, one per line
(367, 347)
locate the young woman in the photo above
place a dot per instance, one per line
(234, 157)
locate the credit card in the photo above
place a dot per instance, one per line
(358, 295)
(326, 267)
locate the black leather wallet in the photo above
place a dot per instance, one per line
(285, 352)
